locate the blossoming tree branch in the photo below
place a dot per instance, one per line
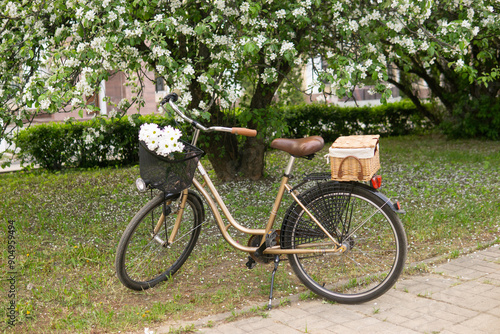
(55, 53)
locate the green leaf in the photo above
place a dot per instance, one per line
(200, 28)
(250, 47)
(431, 51)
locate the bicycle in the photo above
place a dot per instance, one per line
(343, 240)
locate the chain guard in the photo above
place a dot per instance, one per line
(255, 241)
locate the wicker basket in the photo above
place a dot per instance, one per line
(169, 174)
(355, 158)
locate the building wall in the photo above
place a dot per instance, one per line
(116, 90)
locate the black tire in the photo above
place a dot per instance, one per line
(356, 217)
(143, 259)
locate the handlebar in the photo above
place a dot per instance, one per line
(173, 97)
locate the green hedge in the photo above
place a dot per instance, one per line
(97, 142)
(331, 121)
(103, 142)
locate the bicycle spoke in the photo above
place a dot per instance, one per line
(375, 211)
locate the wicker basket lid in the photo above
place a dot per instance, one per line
(356, 141)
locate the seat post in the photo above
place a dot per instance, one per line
(288, 169)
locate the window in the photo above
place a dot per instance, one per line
(160, 84)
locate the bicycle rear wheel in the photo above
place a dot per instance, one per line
(361, 221)
(145, 257)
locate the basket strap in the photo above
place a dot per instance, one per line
(360, 174)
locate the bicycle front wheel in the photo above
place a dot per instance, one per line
(361, 221)
(145, 255)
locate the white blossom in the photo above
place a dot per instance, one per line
(220, 4)
(112, 113)
(45, 103)
(189, 70)
(203, 79)
(353, 25)
(12, 9)
(299, 12)
(90, 15)
(286, 46)
(280, 14)
(162, 141)
(244, 7)
(112, 16)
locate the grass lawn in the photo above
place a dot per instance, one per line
(68, 224)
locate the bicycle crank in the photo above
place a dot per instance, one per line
(272, 239)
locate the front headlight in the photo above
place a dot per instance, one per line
(141, 185)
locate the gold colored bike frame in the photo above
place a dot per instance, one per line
(233, 223)
(179, 216)
(284, 186)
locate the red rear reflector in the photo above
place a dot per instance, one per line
(376, 181)
(398, 206)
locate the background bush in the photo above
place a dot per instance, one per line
(96, 142)
(331, 121)
(103, 142)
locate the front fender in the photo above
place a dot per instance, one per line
(195, 196)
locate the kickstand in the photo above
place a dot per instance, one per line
(276, 263)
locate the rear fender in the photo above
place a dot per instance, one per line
(384, 198)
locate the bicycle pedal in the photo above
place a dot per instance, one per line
(251, 263)
(271, 239)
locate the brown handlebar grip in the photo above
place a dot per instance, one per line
(244, 132)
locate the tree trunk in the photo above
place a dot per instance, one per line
(221, 147)
(252, 158)
(222, 151)
(230, 162)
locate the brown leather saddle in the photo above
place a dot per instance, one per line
(299, 147)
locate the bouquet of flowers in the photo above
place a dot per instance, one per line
(162, 141)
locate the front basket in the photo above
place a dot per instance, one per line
(170, 174)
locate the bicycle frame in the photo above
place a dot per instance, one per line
(233, 223)
(284, 186)
(213, 199)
